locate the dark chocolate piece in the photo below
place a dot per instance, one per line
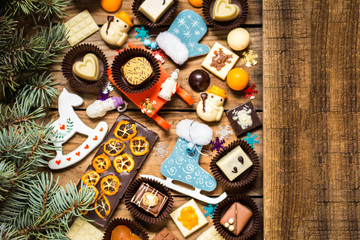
(199, 80)
(243, 118)
(149, 199)
(165, 234)
(236, 218)
(125, 178)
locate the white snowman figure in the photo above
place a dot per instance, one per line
(168, 88)
(210, 108)
(99, 108)
(114, 31)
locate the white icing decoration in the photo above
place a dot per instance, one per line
(227, 224)
(231, 228)
(243, 118)
(231, 220)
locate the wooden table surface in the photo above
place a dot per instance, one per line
(173, 111)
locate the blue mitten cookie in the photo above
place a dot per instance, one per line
(181, 40)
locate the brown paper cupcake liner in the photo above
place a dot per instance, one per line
(135, 227)
(207, 10)
(246, 177)
(146, 22)
(140, 213)
(76, 54)
(252, 226)
(123, 57)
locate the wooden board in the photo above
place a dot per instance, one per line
(173, 111)
(311, 111)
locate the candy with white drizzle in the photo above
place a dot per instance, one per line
(149, 199)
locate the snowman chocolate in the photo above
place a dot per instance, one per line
(210, 108)
(114, 31)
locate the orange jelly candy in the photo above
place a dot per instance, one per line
(188, 217)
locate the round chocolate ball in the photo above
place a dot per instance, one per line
(199, 80)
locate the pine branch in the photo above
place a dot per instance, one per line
(49, 208)
(39, 91)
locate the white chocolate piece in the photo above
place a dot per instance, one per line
(210, 234)
(213, 108)
(231, 228)
(225, 11)
(116, 33)
(80, 27)
(222, 73)
(227, 224)
(88, 68)
(153, 10)
(202, 219)
(231, 221)
(230, 164)
(238, 39)
(81, 229)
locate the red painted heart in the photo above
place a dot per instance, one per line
(58, 162)
(95, 138)
(69, 158)
(87, 146)
(101, 129)
(62, 127)
(78, 153)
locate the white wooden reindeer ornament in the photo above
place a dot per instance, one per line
(67, 125)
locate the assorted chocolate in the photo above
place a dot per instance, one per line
(137, 71)
(199, 80)
(165, 234)
(154, 10)
(115, 165)
(243, 118)
(189, 218)
(149, 199)
(122, 232)
(236, 218)
(234, 163)
(124, 229)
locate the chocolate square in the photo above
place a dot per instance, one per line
(165, 234)
(243, 118)
(149, 199)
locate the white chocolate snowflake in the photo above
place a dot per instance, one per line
(224, 132)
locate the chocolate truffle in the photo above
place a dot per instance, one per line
(236, 218)
(149, 199)
(199, 80)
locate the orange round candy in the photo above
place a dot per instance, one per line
(196, 3)
(237, 79)
(110, 5)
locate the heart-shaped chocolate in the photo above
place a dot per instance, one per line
(241, 160)
(235, 170)
(225, 11)
(88, 68)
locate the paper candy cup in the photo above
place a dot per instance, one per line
(135, 227)
(140, 213)
(207, 10)
(252, 226)
(146, 22)
(123, 57)
(76, 54)
(246, 177)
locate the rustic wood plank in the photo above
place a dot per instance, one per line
(152, 165)
(99, 15)
(311, 67)
(234, 97)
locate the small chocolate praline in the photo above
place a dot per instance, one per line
(199, 80)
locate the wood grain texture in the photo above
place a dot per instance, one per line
(311, 159)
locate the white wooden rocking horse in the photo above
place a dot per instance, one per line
(67, 125)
